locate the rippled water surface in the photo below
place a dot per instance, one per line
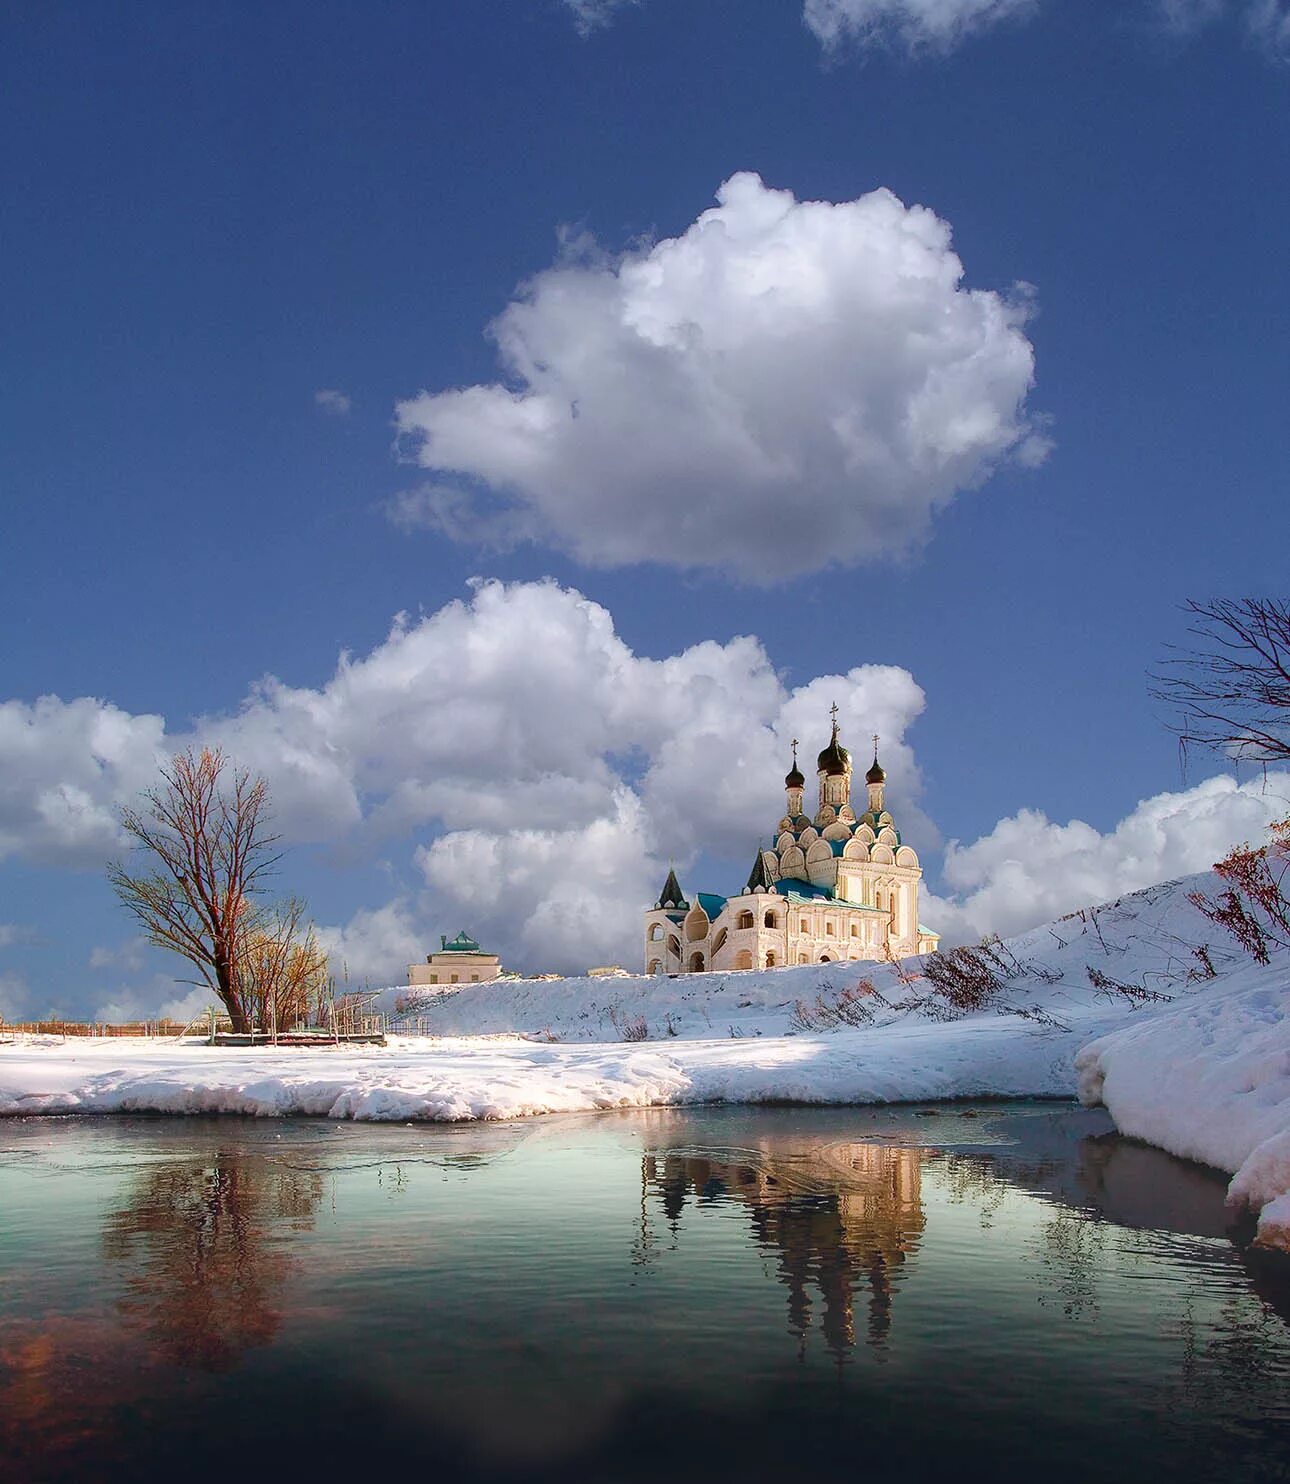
(1004, 1292)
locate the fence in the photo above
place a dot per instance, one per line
(92, 1028)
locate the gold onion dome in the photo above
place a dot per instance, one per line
(875, 774)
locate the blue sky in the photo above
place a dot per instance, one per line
(214, 214)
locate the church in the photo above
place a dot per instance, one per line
(836, 887)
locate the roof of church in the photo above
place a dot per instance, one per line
(804, 891)
(671, 895)
(460, 944)
(759, 877)
(793, 778)
(711, 903)
(835, 759)
(875, 774)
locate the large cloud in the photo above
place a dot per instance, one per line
(1029, 869)
(545, 770)
(65, 766)
(916, 24)
(786, 386)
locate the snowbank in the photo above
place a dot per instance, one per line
(1210, 1081)
(508, 1077)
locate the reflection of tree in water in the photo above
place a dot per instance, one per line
(840, 1218)
(206, 1246)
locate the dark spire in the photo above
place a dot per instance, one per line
(835, 759)
(671, 896)
(794, 778)
(759, 879)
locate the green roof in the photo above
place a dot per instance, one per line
(460, 944)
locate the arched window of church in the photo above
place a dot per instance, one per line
(744, 959)
(654, 966)
(828, 928)
(770, 960)
(655, 932)
(746, 920)
(696, 963)
(855, 929)
(771, 920)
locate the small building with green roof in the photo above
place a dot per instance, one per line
(458, 960)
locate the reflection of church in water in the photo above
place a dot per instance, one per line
(841, 1226)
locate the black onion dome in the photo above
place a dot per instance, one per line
(875, 774)
(794, 779)
(835, 759)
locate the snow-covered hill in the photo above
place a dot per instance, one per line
(1148, 939)
(1141, 1003)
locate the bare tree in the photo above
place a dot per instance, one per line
(205, 838)
(281, 968)
(1231, 687)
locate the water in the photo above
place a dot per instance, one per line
(1007, 1292)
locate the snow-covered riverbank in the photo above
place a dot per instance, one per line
(1204, 1074)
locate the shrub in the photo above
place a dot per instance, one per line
(1254, 909)
(964, 977)
(1135, 994)
(636, 1028)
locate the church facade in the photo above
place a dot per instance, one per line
(839, 885)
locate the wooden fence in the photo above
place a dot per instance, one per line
(91, 1028)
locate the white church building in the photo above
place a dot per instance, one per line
(837, 886)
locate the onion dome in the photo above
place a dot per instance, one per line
(835, 759)
(875, 774)
(793, 778)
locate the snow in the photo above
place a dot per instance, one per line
(510, 1077)
(1204, 1072)
(1210, 1081)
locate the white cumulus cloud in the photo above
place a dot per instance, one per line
(65, 767)
(1029, 869)
(537, 767)
(786, 386)
(915, 24)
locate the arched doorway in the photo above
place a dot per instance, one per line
(696, 963)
